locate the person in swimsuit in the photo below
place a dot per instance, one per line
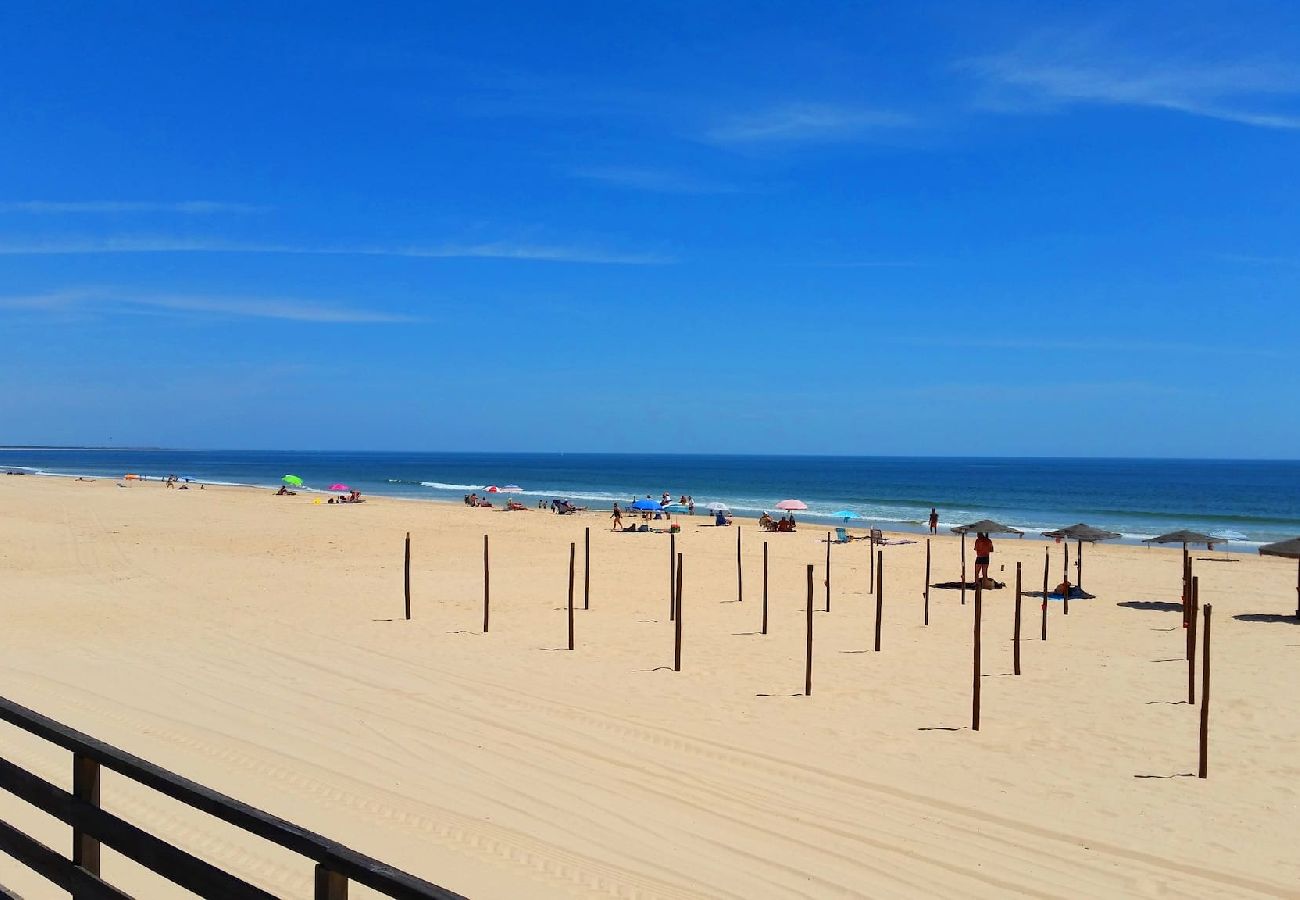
(983, 548)
(934, 521)
(617, 516)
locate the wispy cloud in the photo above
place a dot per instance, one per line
(105, 300)
(659, 181)
(482, 250)
(807, 122)
(187, 207)
(1053, 70)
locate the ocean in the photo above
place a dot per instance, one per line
(1244, 502)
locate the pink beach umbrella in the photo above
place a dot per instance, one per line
(792, 505)
(339, 487)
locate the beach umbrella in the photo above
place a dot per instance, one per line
(512, 488)
(339, 487)
(985, 526)
(187, 478)
(647, 505)
(1079, 533)
(293, 480)
(718, 507)
(845, 514)
(1185, 538)
(1290, 549)
(790, 505)
(493, 489)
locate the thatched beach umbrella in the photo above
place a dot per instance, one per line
(1185, 537)
(1290, 549)
(1079, 533)
(983, 526)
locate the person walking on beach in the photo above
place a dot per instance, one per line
(934, 521)
(983, 549)
(617, 516)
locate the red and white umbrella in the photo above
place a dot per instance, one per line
(792, 505)
(493, 489)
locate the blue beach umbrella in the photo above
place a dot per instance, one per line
(646, 504)
(845, 514)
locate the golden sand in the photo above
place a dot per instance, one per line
(255, 644)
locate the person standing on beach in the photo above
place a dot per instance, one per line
(617, 516)
(983, 549)
(934, 521)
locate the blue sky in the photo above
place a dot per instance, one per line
(923, 228)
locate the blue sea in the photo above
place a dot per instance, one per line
(1246, 502)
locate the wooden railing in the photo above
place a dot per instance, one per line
(336, 865)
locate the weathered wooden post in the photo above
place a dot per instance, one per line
(975, 692)
(85, 787)
(406, 580)
(880, 593)
(672, 578)
(1205, 692)
(828, 571)
(764, 629)
(1047, 558)
(963, 568)
(1191, 641)
(329, 885)
(927, 581)
(1065, 596)
(740, 575)
(1015, 639)
(586, 568)
(573, 552)
(487, 578)
(677, 627)
(807, 672)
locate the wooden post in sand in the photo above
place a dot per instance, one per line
(672, 578)
(963, 568)
(764, 629)
(1065, 596)
(828, 571)
(1191, 641)
(871, 558)
(407, 576)
(1205, 692)
(740, 576)
(486, 581)
(1187, 583)
(975, 691)
(880, 593)
(1047, 558)
(677, 627)
(807, 671)
(927, 581)
(573, 552)
(1015, 636)
(586, 568)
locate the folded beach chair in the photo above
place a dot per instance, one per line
(842, 535)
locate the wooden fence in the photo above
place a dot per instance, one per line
(336, 865)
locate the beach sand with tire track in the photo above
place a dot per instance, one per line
(256, 644)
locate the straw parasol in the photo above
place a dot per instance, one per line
(1290, 549)
(983, 526)
(1185, 537)
(1079, 533)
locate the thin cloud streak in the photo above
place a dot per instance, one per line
(187, 207)
(1052, 71)
(487, 250)
(117, 301)
(807, 122)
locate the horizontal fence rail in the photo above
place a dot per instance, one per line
(336, 865)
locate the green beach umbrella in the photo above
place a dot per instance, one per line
(293, 480)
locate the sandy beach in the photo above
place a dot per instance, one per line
(256, 644)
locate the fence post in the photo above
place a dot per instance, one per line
(85, 787)
(573, 550)
(486, 583)
(1047, 554)
(330, 885)
(1015, 657)
(975, 692)
(586, 568)
(764, 630)
(807, 672)
(740, 578)
(407, 578)
(828, 571)
(880, 593)
(1192, 610)
(927, 581)
(677, 608)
